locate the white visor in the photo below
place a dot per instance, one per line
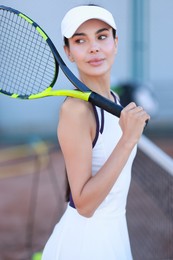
(78, 15)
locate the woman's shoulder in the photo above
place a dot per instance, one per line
(76, 119)
(76, 108)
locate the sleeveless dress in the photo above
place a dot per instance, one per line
(104, 236)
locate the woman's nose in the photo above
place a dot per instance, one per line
(94, 47)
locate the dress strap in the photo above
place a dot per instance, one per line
(71, 202)
(116, 97)
(99, 125)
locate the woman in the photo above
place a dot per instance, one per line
(98, 148)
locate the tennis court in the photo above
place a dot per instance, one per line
(32, 186)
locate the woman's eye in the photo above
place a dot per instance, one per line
(102, 37)
(79, 41)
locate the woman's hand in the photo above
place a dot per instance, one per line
(132, 122)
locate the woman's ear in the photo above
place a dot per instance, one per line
(67, 51)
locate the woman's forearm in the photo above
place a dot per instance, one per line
(97, 187)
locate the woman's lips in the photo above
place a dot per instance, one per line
(96, 61)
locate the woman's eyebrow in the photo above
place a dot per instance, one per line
(78, 34)
(102, 30)
(97, 32)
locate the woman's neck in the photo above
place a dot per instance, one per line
(100, 85)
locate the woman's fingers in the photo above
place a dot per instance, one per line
(129, 107)
(136, 113)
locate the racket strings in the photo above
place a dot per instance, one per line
(25, 49)
(27, 63)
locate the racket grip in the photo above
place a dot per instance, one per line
(105, 103)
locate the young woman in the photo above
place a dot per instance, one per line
(98, 148)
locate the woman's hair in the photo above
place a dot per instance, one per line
(66, 41)
(68, 191)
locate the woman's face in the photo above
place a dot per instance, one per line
(92, 48)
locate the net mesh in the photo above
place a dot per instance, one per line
(150, 204)
(27, 63)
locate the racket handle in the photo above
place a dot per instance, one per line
(105, 103)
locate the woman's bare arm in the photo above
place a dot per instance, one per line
(75, 133)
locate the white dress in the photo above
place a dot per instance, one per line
(104, 236)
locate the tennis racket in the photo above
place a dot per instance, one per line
(29, 63)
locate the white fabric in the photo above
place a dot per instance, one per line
(104, 236)
(78, 15)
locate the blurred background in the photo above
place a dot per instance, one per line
(144, 58)
(31, 164)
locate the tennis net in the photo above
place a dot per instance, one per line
(150, 203)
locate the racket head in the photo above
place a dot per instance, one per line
(28, 65)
